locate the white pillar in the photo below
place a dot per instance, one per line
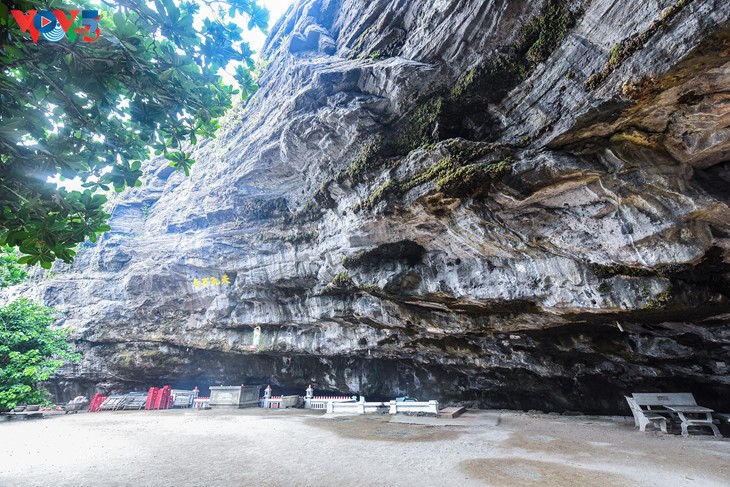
(308, 396)
(433, 407)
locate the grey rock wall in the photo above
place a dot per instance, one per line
(497, 203)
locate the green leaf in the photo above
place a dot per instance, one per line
(119, 20)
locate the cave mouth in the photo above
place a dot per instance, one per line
(585, 366)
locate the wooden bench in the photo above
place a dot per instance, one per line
(676, 406)
(641, 418)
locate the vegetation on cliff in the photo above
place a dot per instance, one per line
(10, 272)
(91, 106)
(30, 352)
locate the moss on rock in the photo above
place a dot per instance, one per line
(472, 180)
(544, 32)
(622, 51)
(607, 271)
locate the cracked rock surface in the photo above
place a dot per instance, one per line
(495, 203)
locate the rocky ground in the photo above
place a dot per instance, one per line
(304, 448)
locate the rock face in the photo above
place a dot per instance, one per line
(517, 204)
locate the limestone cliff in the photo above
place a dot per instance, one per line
(502, 203)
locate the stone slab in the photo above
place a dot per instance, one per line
(452, 412)
(24, 415)
(291, 401)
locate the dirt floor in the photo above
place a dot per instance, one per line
(301, 448)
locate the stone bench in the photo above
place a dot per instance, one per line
(677, 406)
(643, 418)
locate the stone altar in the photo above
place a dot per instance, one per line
(234, 397)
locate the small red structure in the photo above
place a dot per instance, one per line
(95, 404)
(159, 398)
(151, 398)
(163, 398)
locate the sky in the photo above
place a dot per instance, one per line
(277, 8)
(255, 37)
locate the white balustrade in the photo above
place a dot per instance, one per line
(352, 407)
(430, 407)
(349, 405)
(273, 402)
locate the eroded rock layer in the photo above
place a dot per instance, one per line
(514, 204)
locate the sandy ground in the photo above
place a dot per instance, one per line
(306, 448)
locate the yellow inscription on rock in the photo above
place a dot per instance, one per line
(211, 281)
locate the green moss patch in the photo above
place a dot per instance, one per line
(658, 302)
(608, 271)
(541, 35)
(545, 32)
(469, 181)
(621, 52)
(490, 81)
(343, 280)
(454, 176)
(417, 130)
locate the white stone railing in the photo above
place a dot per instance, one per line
(315, 404)
(362, 407)
(320, 402)
(273, 402)
(430, 407)
(353, 407)
(201, 403)
(349, 405)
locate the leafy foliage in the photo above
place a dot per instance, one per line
(94, 110)
(29, 352)
(10, 272)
